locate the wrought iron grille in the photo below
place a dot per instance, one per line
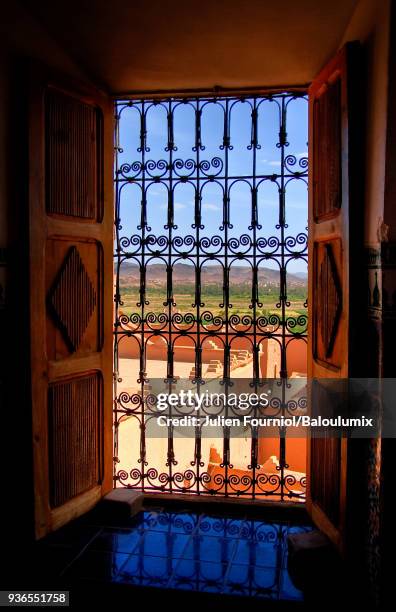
(197, 297)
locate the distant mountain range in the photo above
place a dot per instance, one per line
(211, 275)
(302, 275)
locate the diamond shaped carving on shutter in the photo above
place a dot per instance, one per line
(72, 299)
(330, 300)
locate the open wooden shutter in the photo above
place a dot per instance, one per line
(332, 205)
(70, 232)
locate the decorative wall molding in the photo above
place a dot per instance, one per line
(381, 267)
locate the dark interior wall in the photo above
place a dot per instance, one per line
(387, 507)
(21, 37)
(22, 40)
(143, 46)
(372, 25)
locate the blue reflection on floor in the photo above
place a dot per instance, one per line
(194, 552)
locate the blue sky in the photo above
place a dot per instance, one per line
(240, 163)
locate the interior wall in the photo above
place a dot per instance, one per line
(370, 24)
(21, 39)
(20, 36)
(385, 451)
(146, 46)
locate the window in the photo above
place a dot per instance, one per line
(210, 283)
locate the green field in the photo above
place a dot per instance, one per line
(211, 296)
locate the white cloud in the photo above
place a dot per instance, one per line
(209, 206)
(176, 206)
(270, 162)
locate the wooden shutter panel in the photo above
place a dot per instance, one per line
(332, 206)
(70, 229)
(73, 132)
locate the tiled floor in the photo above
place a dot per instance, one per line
(182, 551)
